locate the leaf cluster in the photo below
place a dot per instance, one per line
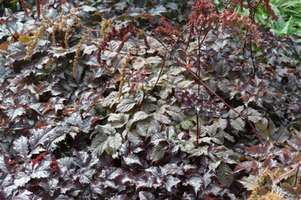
(195, 109)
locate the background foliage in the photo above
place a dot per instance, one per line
(149, 100)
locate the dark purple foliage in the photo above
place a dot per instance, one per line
(139, 110)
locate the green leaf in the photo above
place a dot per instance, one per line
(253, 115)
(221, 69)
(212, 84)
(233, 114)
(161, 118)
(186, 124)
(222, 123)
(287, 27)
(203, 150)
(132, 136)
(140, 115)
(237, 124)
(148, 127)
(99, 144)
(212, 129)
(174, 112)
(165, 93)
(157, 10)
(222, 85)
(88, 8)
(224, 174)
(263, 130)
(184, 84)
(281, 135)
(110, 99)
(249, 182)
(115, 142)
(126, 105)
(108, 129)
(159, 151)
(227, 136)
(118, 120)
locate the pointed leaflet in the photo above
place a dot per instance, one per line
(107, 129)
(253, 115)
(222, 123)
(144, 195)
(148, 127)
(171, 181)
(221, 68)
(154, 59)
(245, 165)
(16, 81)
(50, 185)
(140, 115)
(14, 112)
(233, 114)
(174, 112)
(288, 188)
(157, 138)
(99, 144)
(5, 72)
(21, 179)
(74, 119)
(249, 182)
(195, 181)
(55, 138)
(44, 87)
(281, 135)
(171, 168)
(118, 120)
(224, 174)
(184, 84)
(227, 136)
(85, 175)
(159, 151)
(21, 146)
(212, 129)
(43, 170)
(4, 163)
(263, 130)
(110, 99)
(132, 159)
(223, 85)
(186, 124)
(237, 124)
(84, 159)
(132, 136)
(161, 118)
(294, 145)
(40, 136)
(157, 10)
(115, 142)
(208, 177)
(126, 105)
(258, 150)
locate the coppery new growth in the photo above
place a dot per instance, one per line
(204, 16)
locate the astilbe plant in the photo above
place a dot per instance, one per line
(118, 110)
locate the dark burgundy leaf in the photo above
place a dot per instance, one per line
(170, 182)
(4, 163)
(144, 195)
(132, 159)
